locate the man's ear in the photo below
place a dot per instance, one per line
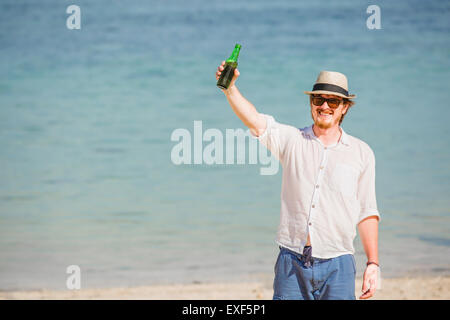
(346, 106)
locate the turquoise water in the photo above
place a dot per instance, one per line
(86, 118)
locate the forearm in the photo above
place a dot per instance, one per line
(368, 233)
(245, 110)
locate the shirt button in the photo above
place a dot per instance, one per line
(321, 167)
(313, 206)
(310, 224)
(317, 186)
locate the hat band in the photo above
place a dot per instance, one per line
(330, 87)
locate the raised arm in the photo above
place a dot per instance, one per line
(243, 108)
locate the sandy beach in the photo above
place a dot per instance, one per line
(435, 288)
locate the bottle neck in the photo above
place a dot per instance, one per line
(234, 55)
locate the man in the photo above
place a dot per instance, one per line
(328, 189)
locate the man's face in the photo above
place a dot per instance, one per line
(325, 117)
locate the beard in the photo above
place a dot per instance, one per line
(322, 124)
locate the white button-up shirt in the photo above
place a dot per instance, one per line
(326, 191)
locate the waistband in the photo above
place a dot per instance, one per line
(304, 257)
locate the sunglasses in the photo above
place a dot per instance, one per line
(333, 103)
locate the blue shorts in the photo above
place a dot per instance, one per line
(321, 279)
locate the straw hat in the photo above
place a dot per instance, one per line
(330, 82)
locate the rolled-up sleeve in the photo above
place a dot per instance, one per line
(276, 136)
(366, 190)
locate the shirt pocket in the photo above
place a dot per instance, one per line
(344, 179)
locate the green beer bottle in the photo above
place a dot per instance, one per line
(228, 71)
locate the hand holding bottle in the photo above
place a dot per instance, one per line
(227, 72)
(234, 78)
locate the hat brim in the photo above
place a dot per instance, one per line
(350, 96)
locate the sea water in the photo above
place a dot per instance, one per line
(86, 118)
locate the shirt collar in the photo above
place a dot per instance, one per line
(344, 136)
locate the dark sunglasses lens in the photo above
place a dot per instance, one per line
(334, 103)
(318, 101)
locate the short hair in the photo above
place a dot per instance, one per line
(348, 102)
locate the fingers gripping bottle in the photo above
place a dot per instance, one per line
(228, 71)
